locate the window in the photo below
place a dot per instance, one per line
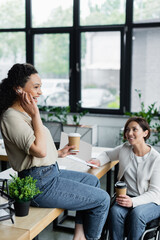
(12, 36)
(100, 70)
(10, 52)
(51, 13)
(146, 67)
(52, 62)
(146, 11)
(96, 51)
(102, 12)
(145, 53)
(12, 14)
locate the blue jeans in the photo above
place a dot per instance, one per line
(137, 218)
(72, 191)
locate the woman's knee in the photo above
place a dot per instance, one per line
(136, 213)
(117, 212)
(137, 216)
(114, 211)
(106, 199)
(92, 180)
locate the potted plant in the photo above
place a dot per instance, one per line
(22, 190)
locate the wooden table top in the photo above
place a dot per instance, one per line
(3, 154)
(32, 224)
(8, 233)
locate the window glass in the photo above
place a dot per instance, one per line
(52, 13)
(12, 50)
(52, 62)
(146, 11)
(146, 67)
(100, 69)
(12, 13)
(101, 12)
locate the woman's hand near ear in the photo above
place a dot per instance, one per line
(38, 147)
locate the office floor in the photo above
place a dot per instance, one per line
(49, 234)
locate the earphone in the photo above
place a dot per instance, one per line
(19, 90)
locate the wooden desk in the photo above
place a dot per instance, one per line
(8, 233)
(3, 154)
(33, 224)
(30, 226)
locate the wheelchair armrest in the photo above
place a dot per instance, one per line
(113, 199)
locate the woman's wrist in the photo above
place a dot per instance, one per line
(59, 153)
(35, 114)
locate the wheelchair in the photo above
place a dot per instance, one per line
(152, 231)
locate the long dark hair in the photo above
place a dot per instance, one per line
(18, 75)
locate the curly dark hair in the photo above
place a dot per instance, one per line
(142, 123)
(18, 75)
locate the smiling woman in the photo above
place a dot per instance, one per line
(33, 87)
(141, 204)
(17, 78)
(32, 151)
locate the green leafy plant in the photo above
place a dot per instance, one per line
(60, 113)
(76, 118)
(23, 189)
(150, 114)
(56, 113)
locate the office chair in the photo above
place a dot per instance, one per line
(55, 128)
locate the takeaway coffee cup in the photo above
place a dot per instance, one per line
(121, 188)
(74, 139)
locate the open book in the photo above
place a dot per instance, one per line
(85, 151)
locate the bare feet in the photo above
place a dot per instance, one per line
(79, 232)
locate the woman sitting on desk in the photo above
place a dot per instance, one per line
(139, 166)
(31, 151)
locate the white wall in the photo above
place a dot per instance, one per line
(108, 128)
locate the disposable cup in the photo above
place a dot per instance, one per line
(74, 139)
(120, 188)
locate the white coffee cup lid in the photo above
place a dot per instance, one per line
(74, 135)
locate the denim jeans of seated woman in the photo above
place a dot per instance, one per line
(137, 218)
(72, 191)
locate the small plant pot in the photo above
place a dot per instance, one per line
(21, 208)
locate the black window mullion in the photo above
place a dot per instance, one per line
(75, 59)
(122, 73)
(29, 36)
(128, 55)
